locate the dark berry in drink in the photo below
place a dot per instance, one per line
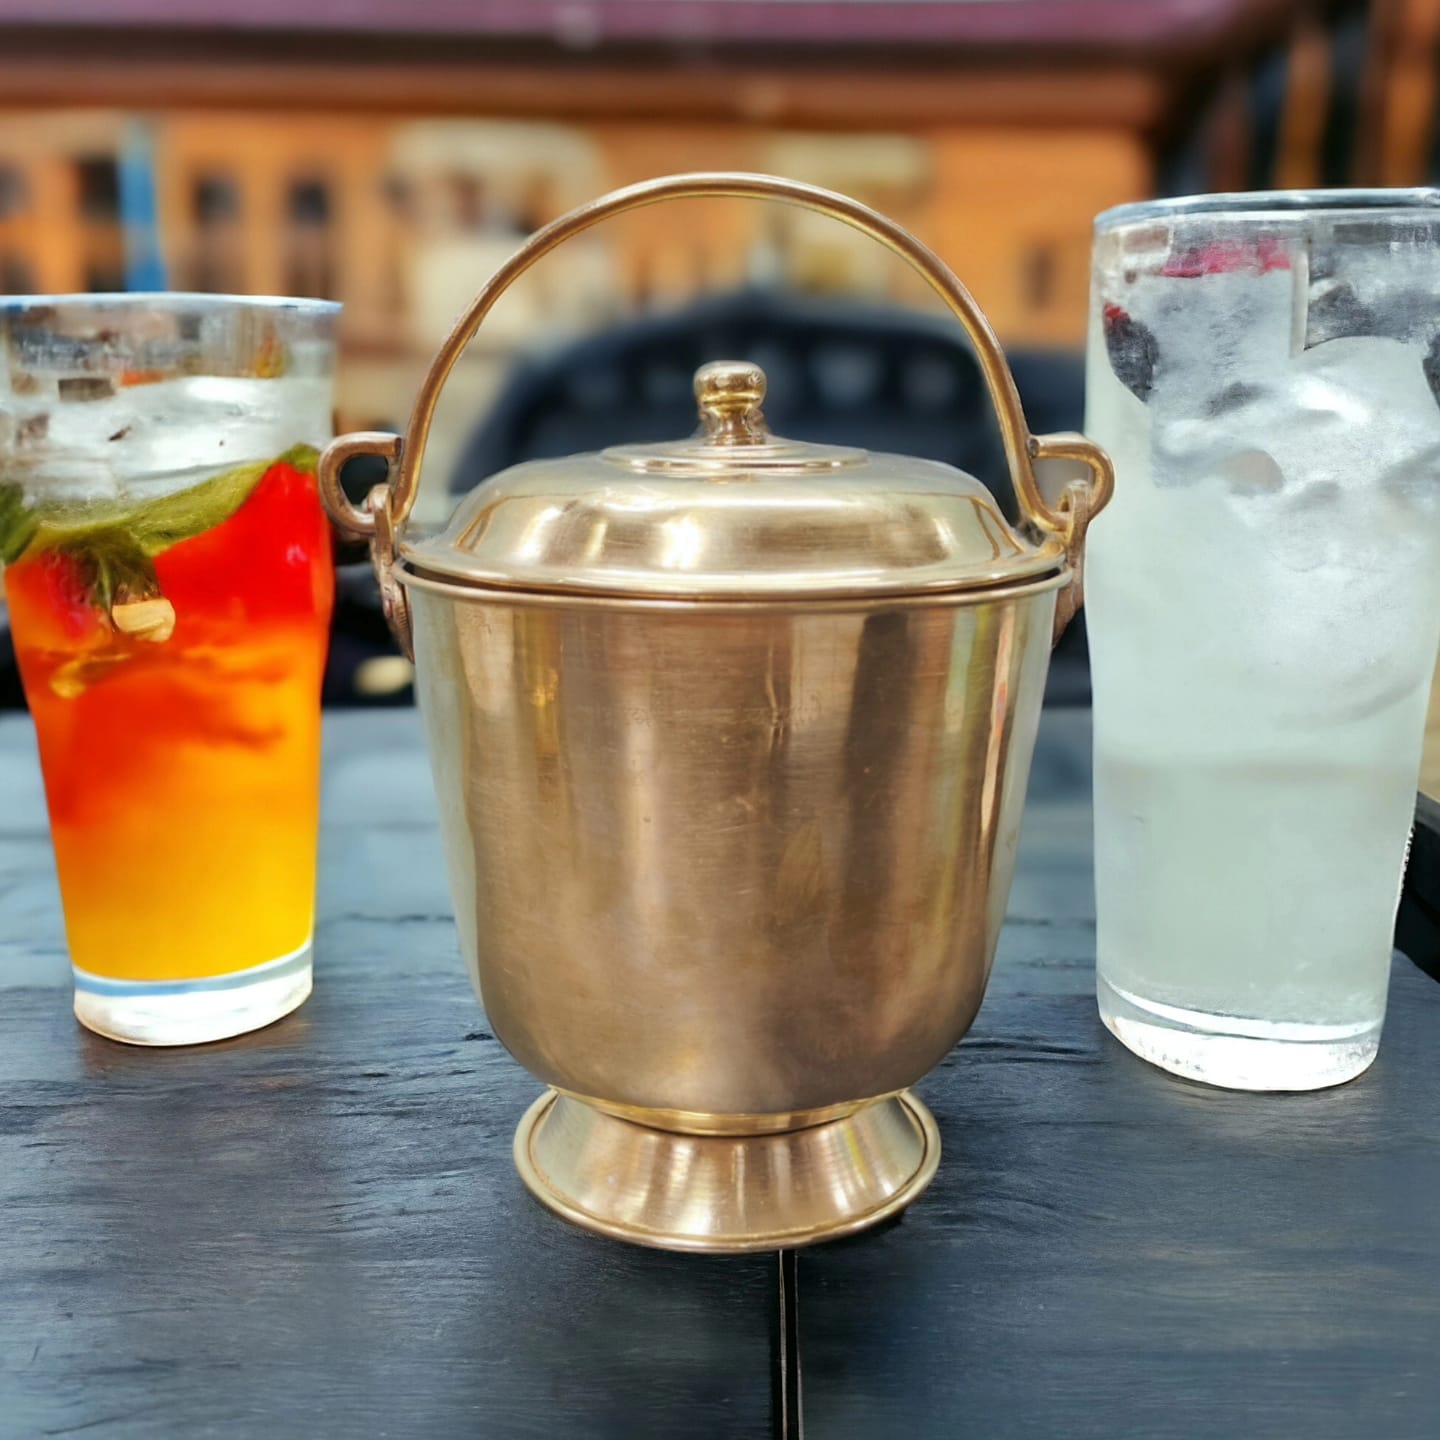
(1133, 350)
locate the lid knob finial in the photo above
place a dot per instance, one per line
(730, 393)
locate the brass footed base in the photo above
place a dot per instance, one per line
(721, 1193)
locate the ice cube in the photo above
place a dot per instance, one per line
(145, 440)
(1370, 278)
(1336, 310)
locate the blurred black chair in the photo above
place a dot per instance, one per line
(364, 666)
(11, 695)
(1417, 926)
(841, 373)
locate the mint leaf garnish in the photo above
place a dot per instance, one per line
(114, 537)
(17, 523)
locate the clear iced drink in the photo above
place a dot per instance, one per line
(168, 570)
(1263, 597)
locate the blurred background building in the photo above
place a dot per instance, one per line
(389, 153)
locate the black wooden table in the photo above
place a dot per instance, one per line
(316, 1231)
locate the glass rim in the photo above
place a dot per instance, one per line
(170, 300)
(1254, 204)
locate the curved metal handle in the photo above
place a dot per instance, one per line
(1078, 504)
(1021, 448)
(378, 516)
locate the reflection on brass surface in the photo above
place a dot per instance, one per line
(689, 1122)
(715, 1193)
(730, 862)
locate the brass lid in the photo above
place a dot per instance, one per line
(733, 512)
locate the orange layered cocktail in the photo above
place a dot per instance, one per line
(170, 611)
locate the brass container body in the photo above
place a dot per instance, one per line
(719, 867)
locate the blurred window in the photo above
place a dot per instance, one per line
(310, 260)
(399, 196)
(394, 292)
(310, 203)
(104, 277)
(536, 207)
(397, 193)
(17, 275)
(1037, 262)
(1349, 52)
(1269, 84)
(469, 203)
(216, 200)
(98, 181)
(218, 261)
(14, 191)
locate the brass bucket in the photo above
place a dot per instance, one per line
(731, 741)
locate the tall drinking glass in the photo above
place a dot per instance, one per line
(1264, 610)
(168, 569)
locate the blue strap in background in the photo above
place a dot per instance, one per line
(139, 213)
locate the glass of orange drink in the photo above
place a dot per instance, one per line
(168, 568)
